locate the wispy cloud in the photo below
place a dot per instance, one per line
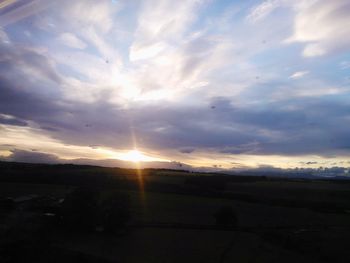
(262, 10)
(28, 9)
(191, 81)
(71, 40)
(298, 74)
(323, 26)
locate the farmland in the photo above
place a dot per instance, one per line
(172, 218)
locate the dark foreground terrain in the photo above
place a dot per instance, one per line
(69, 213)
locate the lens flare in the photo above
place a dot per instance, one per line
(135, 156)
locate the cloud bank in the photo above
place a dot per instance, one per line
(201, 82)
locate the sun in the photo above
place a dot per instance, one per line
(135, 156)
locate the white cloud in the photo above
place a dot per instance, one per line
(323, 25)
(159, 23)
(263, 10)
(4, 37)
(320, 91)
(24, 10)
(105, 49)
(146, 52)
(298, 74)
(173, 58)
(93, 13)
(71, 40)
(314, 50)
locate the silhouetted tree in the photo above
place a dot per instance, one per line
(226, 216)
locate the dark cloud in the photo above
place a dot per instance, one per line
(12, 121)
(227, 129)
(40, 157)
(309, 173)
(308, 163)
(187, 150)
(7, 145)
(31, 157)
(51, 129)
(19, 59)
(34, 156)
(277, 127)
(22, 94)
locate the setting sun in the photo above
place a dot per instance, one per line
(135, 156)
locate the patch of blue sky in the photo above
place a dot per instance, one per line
(279, 59)
(68, 71)
(212, 11)
(24, 31)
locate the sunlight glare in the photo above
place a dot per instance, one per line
(135, 156)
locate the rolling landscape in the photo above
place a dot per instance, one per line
(171, 216)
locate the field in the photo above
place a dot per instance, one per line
(173, 221)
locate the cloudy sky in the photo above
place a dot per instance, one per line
(207, 83)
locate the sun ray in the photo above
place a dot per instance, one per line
(135, 156)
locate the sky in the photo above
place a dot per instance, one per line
(221, 84)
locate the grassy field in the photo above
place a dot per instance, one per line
(21, 189)
(180, 227)
(173, 245)
(180, 208)
(196, 209)
(156, 207)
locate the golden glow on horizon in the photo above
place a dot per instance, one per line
(29, 139)
(135, 156)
